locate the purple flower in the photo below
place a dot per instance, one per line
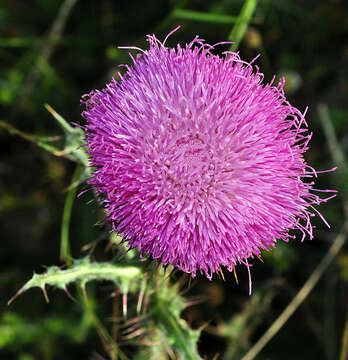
(197, 162)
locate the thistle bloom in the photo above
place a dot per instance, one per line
(197, 162)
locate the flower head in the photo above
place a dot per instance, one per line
(198, 163)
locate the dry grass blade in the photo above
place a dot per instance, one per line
(301, 295)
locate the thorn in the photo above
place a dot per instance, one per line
(124, 304)
(128, 249)
(69, 295)
(90, 202)
(181, 281)
(148, 343)
(133, 334)
(140, 300)
(146, 304)
(131, 322)
(194, 301)
(86, 247)
(171, 353)
(190, 285)
(84, 293)
(216, 356)
(172, 273)
(62, 267)
(45, 294)
(203, 327)
(259, 257)
(14, 297)
(131, 329)
(165, 267)
(147, 265)
(189, 282)
(108, 246)
(50, 109)
(222, 274)
(249, 275)
(235, 275)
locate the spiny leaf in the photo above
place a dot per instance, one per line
(166, 311)
(126, 276)
(74, 139)
(44, 142)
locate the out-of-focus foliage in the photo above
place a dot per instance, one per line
(305, 41)
(17, 331)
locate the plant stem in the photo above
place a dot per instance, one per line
(203, 16)
(242, 23)
(65, 253)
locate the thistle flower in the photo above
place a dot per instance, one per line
(197, 162)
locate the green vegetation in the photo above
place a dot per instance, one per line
(115, 306)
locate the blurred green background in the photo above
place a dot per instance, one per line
(53, 51)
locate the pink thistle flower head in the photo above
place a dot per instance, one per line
(197, 162)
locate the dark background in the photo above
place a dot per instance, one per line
(304, 40)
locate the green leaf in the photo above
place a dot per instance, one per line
(74, 140)
(126, 276)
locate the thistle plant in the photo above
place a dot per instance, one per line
(198, 165)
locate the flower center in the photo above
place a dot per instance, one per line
(189, 167)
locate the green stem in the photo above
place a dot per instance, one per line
(203, 17)
(172, 325)
(242, 23)
(65, 253)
